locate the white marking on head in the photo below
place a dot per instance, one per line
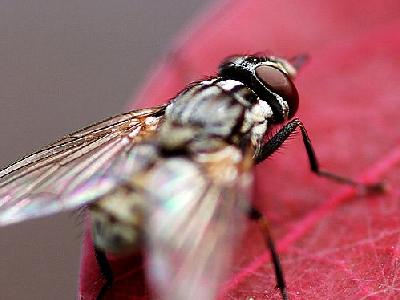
(229, 84)
(261, 111)
(284, 105)
(257, 114)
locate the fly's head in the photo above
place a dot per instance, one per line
(270, 78)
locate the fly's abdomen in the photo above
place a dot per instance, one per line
(118, 220)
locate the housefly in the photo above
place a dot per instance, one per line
(173, 179)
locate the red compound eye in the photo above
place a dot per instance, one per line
(281, 84)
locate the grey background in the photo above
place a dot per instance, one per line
(65, 64)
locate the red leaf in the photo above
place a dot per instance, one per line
(333, 244)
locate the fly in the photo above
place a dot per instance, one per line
(173, 179)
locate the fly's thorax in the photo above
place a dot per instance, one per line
(204, 109)
(215, 108)
(118, 221)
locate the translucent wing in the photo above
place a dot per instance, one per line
(75, 170)
(194, 225)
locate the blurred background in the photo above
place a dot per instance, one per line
(63, 65)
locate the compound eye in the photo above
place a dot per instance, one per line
(281, 84)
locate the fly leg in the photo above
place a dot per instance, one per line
(282, 135)
(256, 215)
(105, 270)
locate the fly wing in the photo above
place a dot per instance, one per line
(77, 169)
(197, 218)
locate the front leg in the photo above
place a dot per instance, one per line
(283, 134)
